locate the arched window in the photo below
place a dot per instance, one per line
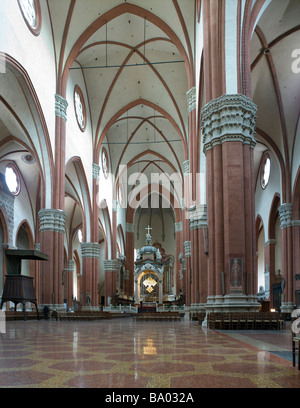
(79, 107)
(12, 179)
(31, 12)
(79, 235)
(105, 162)
(265, 171)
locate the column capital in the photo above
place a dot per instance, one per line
(96, 171)
(52, 220)
(188, 249)
(286, 215)
(178, 226)
(191, 99)
(61, 106)
(90, 250)
(270, 242)
(186, 167)
(112, 265)
(115, 206)
(227, 119)
(198, 216)
(129, 227)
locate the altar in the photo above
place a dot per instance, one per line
(149, 274)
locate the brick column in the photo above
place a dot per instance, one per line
(178, 267)
(90, 252)
(228, 126)
(111, 269)
(52, 230)
(198, 227)
(129, 285)
(286, 225)
(68, 282)
(187, 246)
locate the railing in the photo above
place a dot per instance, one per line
(120, 309)
(172, 308)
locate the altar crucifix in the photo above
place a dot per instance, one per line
(148, 235)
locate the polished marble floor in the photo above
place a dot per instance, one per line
(123, 353)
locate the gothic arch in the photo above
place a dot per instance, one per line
(41, 147)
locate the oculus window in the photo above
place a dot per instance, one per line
(31, 12)
(79, 107)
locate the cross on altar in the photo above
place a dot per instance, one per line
(148, 228)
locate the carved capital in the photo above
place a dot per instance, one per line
(96, 171)
(52, 220)
(178, 226)
(61, 106)
(188, 249)
(112, 265)
(198, 217)
(90, 250)
(227, 119)
(191, 99)
(186, 167)
(286, 215)
(129, 227)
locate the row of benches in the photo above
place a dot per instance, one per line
(246, 321)
(19, 315)
(83, 315)
(158, 316)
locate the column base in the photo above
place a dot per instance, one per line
(287, 307)
(232, 303)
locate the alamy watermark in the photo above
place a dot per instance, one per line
(157, 190)
(296, 62)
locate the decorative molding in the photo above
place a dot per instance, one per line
(96, 171)
(61, 106)
(296, 223)
(191, 99)
(186, 167)
(227, 119)
(178, 226)
(198, 216)
(52, 220)
(188, 249)
(286, 215)
(148, 267)
(90, 250)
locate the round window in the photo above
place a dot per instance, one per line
(265, 171)
(12, 180)
(31, 12)
(79, 107)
